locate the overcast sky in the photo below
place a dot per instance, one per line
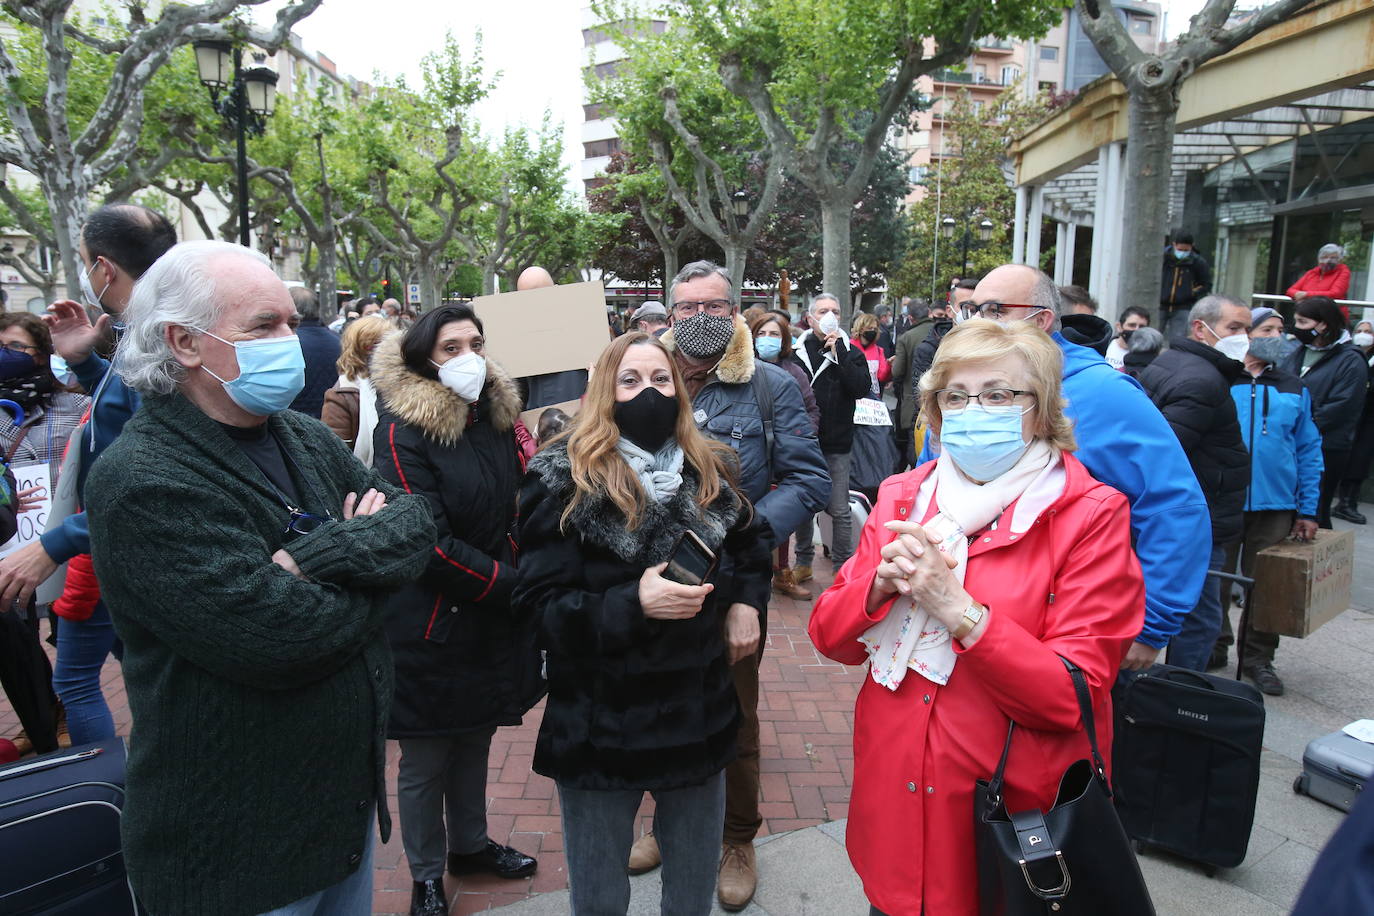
(536, 44)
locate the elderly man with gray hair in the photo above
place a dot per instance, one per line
(1329, 278)
(245, 555)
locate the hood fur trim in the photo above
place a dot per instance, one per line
(736, 367)
(427, 404)
(599, 521)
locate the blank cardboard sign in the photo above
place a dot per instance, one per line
(545, 330)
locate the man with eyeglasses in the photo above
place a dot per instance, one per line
(756, 409)
(1125, 442)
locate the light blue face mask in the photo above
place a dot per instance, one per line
(769, 348)
(271, 373)
(983, 441)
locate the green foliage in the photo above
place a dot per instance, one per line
(970, 184)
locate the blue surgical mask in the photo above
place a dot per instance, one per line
(14, 364)
(984, 442)
(1182, 254)
(271, 373)
(769, 348)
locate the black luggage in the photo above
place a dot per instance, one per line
(59, 834)
(1336, 768)
(1186, 762)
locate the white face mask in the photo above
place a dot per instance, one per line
(88, 290)
(464, 375)
(829, 323)
(1233, 346)
(1364, 339)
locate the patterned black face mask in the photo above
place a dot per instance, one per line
(27, 390)
(703, 336)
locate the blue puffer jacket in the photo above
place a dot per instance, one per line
(1275, 412)
(728, 411)
(1125, 442)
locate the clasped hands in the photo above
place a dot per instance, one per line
(371, 502)
(664, 599)
(913, 566)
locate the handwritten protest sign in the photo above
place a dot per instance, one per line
(34, 522)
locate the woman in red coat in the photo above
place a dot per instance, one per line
(865, 330)
(972, 576)
(1329, 278)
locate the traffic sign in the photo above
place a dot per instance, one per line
(413, 294)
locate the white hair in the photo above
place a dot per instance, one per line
(179, 289)
(1331, 248)
(823, 297)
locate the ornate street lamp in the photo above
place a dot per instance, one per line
(249, 97)
(739, 202)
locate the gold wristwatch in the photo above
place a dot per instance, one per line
(973, 615)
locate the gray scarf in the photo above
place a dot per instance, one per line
(659, 473)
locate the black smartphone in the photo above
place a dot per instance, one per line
(692, 562)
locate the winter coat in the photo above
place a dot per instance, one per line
(838, 382)
(634, 703)
(902, 366)
(1334, 284)
(321, 348)
(1124, 442)
(1069, 586)
(1190, 383)
(793, 483)
(1363, 453)
(1275, 413)
(813, 412)
(465, 660)
(924, 356)
(340, 413)
(879, 372)
(1337, 381)
(1088, 331)
(1184, 280)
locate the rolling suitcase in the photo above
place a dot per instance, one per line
(1335, 769)
(59, 834)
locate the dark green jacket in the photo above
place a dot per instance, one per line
(259, 699)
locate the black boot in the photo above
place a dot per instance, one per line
(427, 899)
(1348, 510)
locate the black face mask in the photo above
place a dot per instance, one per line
(1307, 336)
(870, 336)
(647, 419)
(1126, 335)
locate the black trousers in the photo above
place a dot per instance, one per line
(26, 676)
(1333, 473)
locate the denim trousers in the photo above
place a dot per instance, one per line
(82, 647)
(841, 522)
(350, 897)
(598, 830)
(1192, 646)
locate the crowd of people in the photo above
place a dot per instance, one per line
(286, 595)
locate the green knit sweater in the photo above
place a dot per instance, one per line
(259, 699)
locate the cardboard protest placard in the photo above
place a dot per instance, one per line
(1300, 585)
(538, 331)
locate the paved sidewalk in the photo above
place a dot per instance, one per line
(807, 713)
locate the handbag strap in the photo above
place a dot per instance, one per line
(1085, 710)
(23, 431)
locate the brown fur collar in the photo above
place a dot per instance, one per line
(736, 367)
(426, 404)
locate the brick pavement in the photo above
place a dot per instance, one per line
(806, 716)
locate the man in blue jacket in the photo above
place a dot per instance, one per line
(1275, 411)
(1124, 441)
(119, 242)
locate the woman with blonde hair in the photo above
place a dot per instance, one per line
(638, 650)
(864, 327)
(350, 407)
(976, 577)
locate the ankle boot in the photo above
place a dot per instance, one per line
(427, 899)
(1348, 510)
(785, 583)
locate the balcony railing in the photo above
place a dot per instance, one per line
(947, 75)
(995, 44)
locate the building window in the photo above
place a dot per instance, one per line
(917, 173)
(1049, 52)
(1010, 75)
(1049, 86)
(1142, 25)
(607, 70)
(593, 112)
(597, 148)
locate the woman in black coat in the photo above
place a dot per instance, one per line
(1335, 372)
(640, 692)
(465, 661)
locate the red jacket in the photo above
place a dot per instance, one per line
(1335, 284)
(1071, 586)
(874, 353)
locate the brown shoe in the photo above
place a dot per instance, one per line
(22, 743)
(785, 583)
(801, 574)
(645, 854)
(738, 878)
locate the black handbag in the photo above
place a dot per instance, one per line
(1072, 859)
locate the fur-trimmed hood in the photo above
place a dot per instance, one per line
(600, 522)
(431, 407)
(736, 367)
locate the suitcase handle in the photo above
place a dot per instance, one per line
(38, 766)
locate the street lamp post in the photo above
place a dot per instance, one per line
(984, 234)
(251, 95)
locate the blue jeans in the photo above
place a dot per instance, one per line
(598, 830)
(82, 647)
(1193, 644)
(350, 897)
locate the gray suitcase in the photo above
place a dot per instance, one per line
(1335, 769)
